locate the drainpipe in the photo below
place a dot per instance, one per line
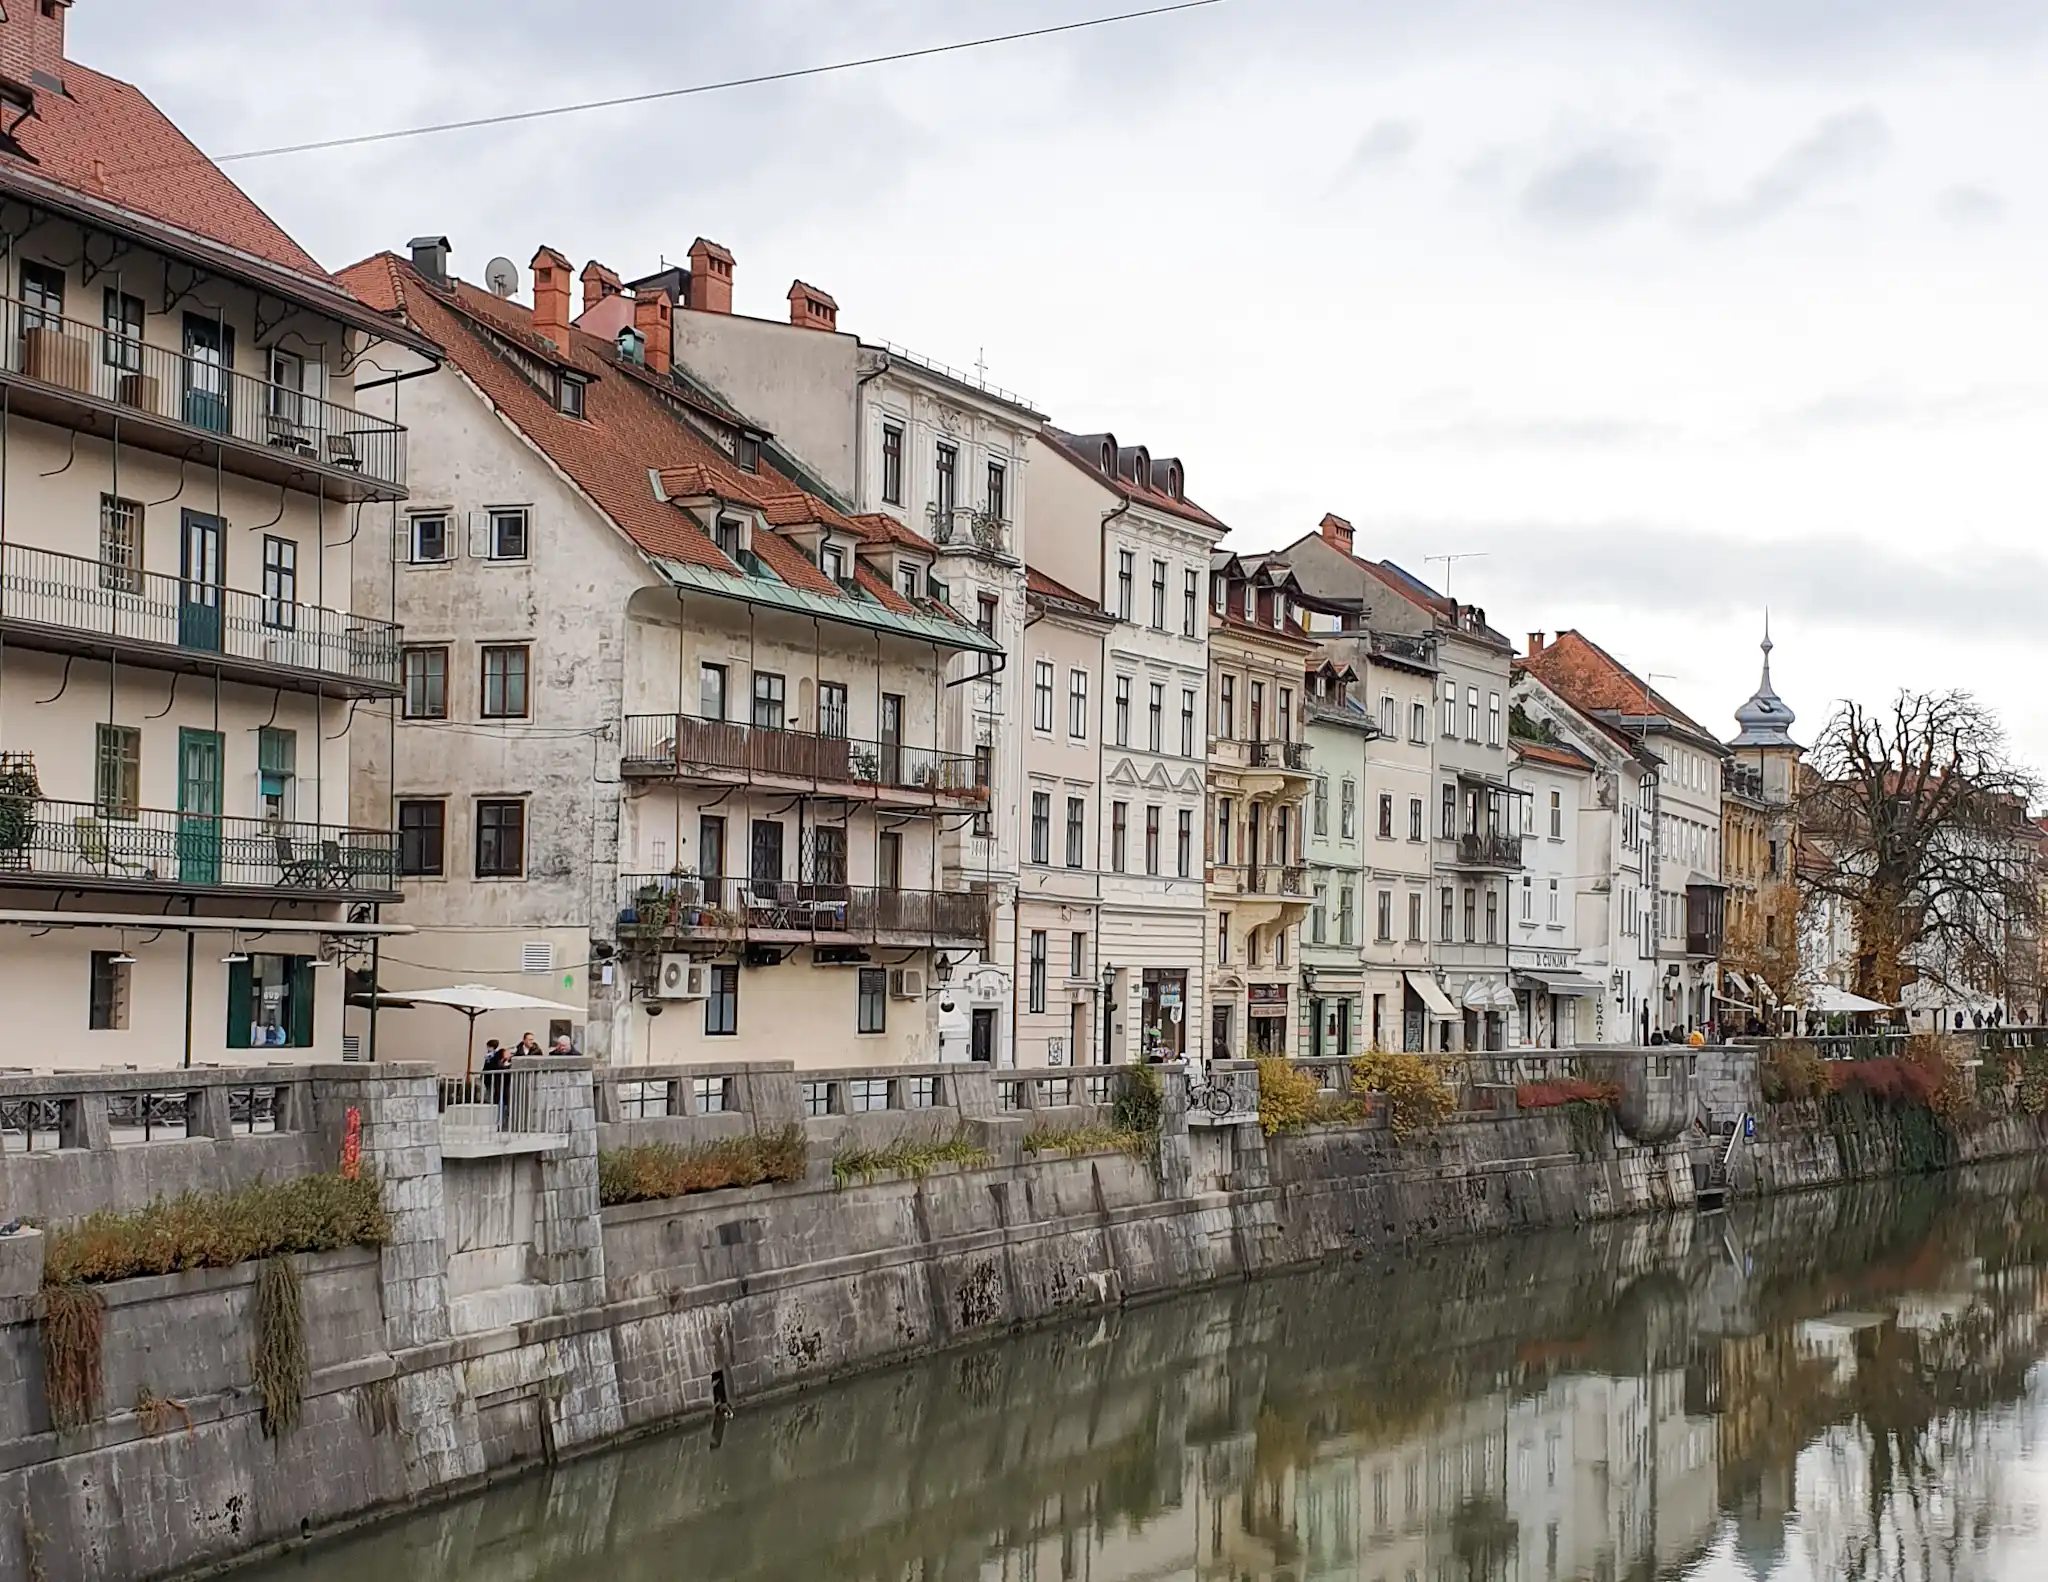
(1101, 804)
(860, 431)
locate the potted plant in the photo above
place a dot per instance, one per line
(20, 791)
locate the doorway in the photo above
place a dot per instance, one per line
(199, 805)
(981, 1035)
(202, 574)
(1165, 994)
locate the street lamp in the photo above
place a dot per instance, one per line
(1108, 1001)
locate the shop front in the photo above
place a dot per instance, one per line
(1163, 1012)
(1266, 1012)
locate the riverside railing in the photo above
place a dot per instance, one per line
(681, 745)
(118, 1109)
(147, 609)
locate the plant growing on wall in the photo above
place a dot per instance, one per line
(1420, 1097)
(1139, 1101)
(20, 791)
(73, 1325)
(279, 1363)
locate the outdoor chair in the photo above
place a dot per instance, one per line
(341, 452)
(95, 851)
(302, 873)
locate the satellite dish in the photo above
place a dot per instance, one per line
(502, 276)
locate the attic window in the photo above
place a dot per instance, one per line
(832, 561)
(1173, 480)
(1109, 460)
(633, 346)
(746, 450)
(730, 535)
(906, 578)
(569, 395)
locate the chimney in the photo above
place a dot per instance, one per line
(654, 318)
(710, 278)
(32, 43)
(1535, 644)
(1337, 533)
(430, 258)
(598, 283)
(551, 297)
(811, 309)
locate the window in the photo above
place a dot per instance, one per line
(1528, 807)
(1415, 818)
(1158, 595)
(906, 578)
(1126, 576)
(1190, 603)
(889, 860)
(1415, 915)
(832, 561)
(505, 682)
(1321, 805)
(1316, 914)
(1386, 815)
(1041, 826)
(277, 764)
(1155, 718)
(1077, 832)
(1471, 915)
(1471, 714)
(121, 318)
(833, 713)
(722, 1005)
(430, 544)
(569, 395)
(984, 778)
(1347, 811)
(1344, 913)
(1383, 925)
(1418, 721)
(280, 582)
(508, 540)
(426, 683)
(1219, 594)
(1226, 708)
(1493, 719)
(1184, 844)
(1036, 1002)
(120, 544)
(985, 608)
(1450, 721)
(1077, 957)
(746, 450)
(1187, 722)
(770, 701)
(1444, 917)
(1255, 719)
(107, 1006)
(500, 839)
(42, 297)
(1152, 840)
(1119, 817)
(1287, 714)
(944, 493)
(1077, 704)
(1223, 939)
(1528, 902)
(872, 1013)
(1450, 822)
(1223, 811)
(1041, 695)
(730, 538)
(1389, 720)
(1553, 902)
(711, 692)
(1492, 915)
(422, 838)
(1279, 947)
(1123, 711)
(117, 772)
(892, 463)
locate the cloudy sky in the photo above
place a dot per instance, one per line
(1668, 311)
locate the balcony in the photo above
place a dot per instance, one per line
(1403, 649)
(721, 752)
(80, 375)
(76, 846)
(1270, 881)
(1292, 757)
(968, 527)
(1476, 850)
(667, 907)
(68, 604)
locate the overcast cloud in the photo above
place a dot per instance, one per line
(1671, 312)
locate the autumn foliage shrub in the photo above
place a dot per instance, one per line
(1792, 1072)
(1888, 1080)
(1287, 1098)
(651, 1171)
(1565, 1090)
(1420, 1096)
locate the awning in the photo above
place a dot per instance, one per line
(1566, 983)
(1489, 994)
(1826, 998)
(1431, 993)
(1739, 982)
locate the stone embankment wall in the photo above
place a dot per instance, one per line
(512, 1320)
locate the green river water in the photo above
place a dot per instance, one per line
(1837, 1385)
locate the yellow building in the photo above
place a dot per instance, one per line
(1760, 954)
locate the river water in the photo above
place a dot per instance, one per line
(1843, 1384)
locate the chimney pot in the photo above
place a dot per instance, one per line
(1535, 643)
(551, 297)
(598, 283)
(812, 309)
(1337, 533)
(653, 317)
(430, 258)
(710, 278)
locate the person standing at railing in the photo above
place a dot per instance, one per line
(497, 1080)
(528, 1048)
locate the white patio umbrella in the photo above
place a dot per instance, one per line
(1826, 998)
(473, 1000)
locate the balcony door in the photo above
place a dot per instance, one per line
(202, 573)
(209, 355)
(764, 859)
(200, 755)
(892, 739)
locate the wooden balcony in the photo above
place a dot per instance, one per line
(682, 908)
(723, 752)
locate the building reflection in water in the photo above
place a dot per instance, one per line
(1832, 1386)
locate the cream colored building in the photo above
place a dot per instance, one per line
(671, 744)
(187, 485)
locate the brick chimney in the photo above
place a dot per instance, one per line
(1337, 533)
(1535, 644)
(710, 278)
(32, 43)
(654, 318)
(598, 283)
(811, 309)
(551, 273)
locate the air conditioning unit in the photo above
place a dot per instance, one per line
(906, 983)
(681, 979)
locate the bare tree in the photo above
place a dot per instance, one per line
(1916, 819)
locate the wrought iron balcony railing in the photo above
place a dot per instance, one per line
(137, 611)
(1280, 755)
(670, 906)
(1489, 851)
(680, 745)
(81, 843)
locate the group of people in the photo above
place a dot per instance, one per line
(498, 1058)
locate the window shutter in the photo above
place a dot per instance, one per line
(401, 544)
(241, 1003)
(537, 955)
(479, 536)
(299, 981)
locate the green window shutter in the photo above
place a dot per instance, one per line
(277, 751)
(241, 1003)
(299, 976)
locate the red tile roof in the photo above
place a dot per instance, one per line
(627, 431)
(1067, 446)
(1589, 678)
(878, 527)
(1549, 753)
(1036, 581)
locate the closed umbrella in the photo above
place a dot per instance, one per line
(473, 1000)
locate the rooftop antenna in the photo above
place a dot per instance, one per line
(1450, 561)
(502, 276)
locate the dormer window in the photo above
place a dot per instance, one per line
(832, 561)
(1173, 480)
(569, 394)
(729, 533)
(632, 347)
(1219, 594)
(746, 451)
(907, 579)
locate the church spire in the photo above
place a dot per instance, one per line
(1766, 719)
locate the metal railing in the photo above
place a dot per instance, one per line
(39, 1114)
(79, 840)
(1476, 850)
(682, 744)
(196, 393)
(1268, 879)
(682, 906)
(40, 587)
(1410, 650)
(507, 1102)
(1280, 755)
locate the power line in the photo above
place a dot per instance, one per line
(757, 80)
